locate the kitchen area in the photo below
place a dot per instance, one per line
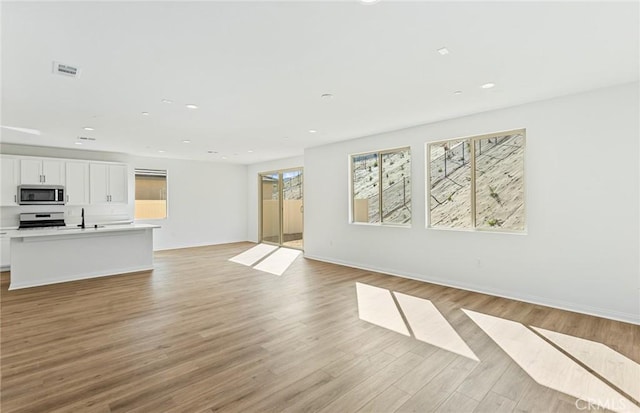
(68, 219)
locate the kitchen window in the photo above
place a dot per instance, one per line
(151, 194)
(381, 187)
(477, 182)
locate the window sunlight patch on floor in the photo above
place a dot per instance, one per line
(430, 326)
(278, 262)
(547, 365)
(376, 306)
(410, 316)
(608, 363)
(254, 254)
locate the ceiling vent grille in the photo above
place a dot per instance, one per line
(65, 70)
(85, 138)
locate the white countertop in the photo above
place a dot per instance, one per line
(70, 230)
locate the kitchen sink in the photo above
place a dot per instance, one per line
(87, 227)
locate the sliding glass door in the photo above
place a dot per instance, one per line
(281, 208)
(270, 207)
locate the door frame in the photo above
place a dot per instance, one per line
(280, 173)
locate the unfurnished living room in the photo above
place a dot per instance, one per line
(320, 206)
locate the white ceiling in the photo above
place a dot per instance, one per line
(257, 69)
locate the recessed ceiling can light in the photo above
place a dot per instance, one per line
(186, 141)
(166, 101)
(88, 128)
(443, 51)
(191, 106)
(78, 143)
(161, 151)
(488, 85)
(369, 1)
(249, 151)
(212, 152)
(145, 113)
(457, 92)
(224, 157)
(312, 131)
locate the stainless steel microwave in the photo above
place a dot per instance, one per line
(41, 195)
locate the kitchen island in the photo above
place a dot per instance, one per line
(49, 256)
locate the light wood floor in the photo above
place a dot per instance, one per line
(202, 334)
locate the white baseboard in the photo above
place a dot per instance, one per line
(561, 305)
(204, 244)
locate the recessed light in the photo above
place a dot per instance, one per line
(488, 85)
(88, 128)
(369, 1)
(457, 92)
(186, 141)
(78, 143)
(443, 51)
(224, 157)
(312, 131)
(212, 152)
(166, 101)
(191, 106)
(145, 113)
(249, 151)
(327, 96)
(161, 151)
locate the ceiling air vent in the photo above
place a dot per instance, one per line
(65, 70)
(85, 138)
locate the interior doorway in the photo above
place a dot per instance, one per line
(282, 208)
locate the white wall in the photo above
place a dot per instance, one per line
(207, 201)
(252, 189)
(582, 188)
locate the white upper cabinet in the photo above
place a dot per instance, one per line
(85, 182)
(30, 171)
(41, 172)
(118, 183)
(99, 193)
(108, 183)
(77, 183)
(10, 179)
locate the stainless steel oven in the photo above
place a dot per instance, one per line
(41, 195)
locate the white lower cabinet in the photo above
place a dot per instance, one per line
(5, 260)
